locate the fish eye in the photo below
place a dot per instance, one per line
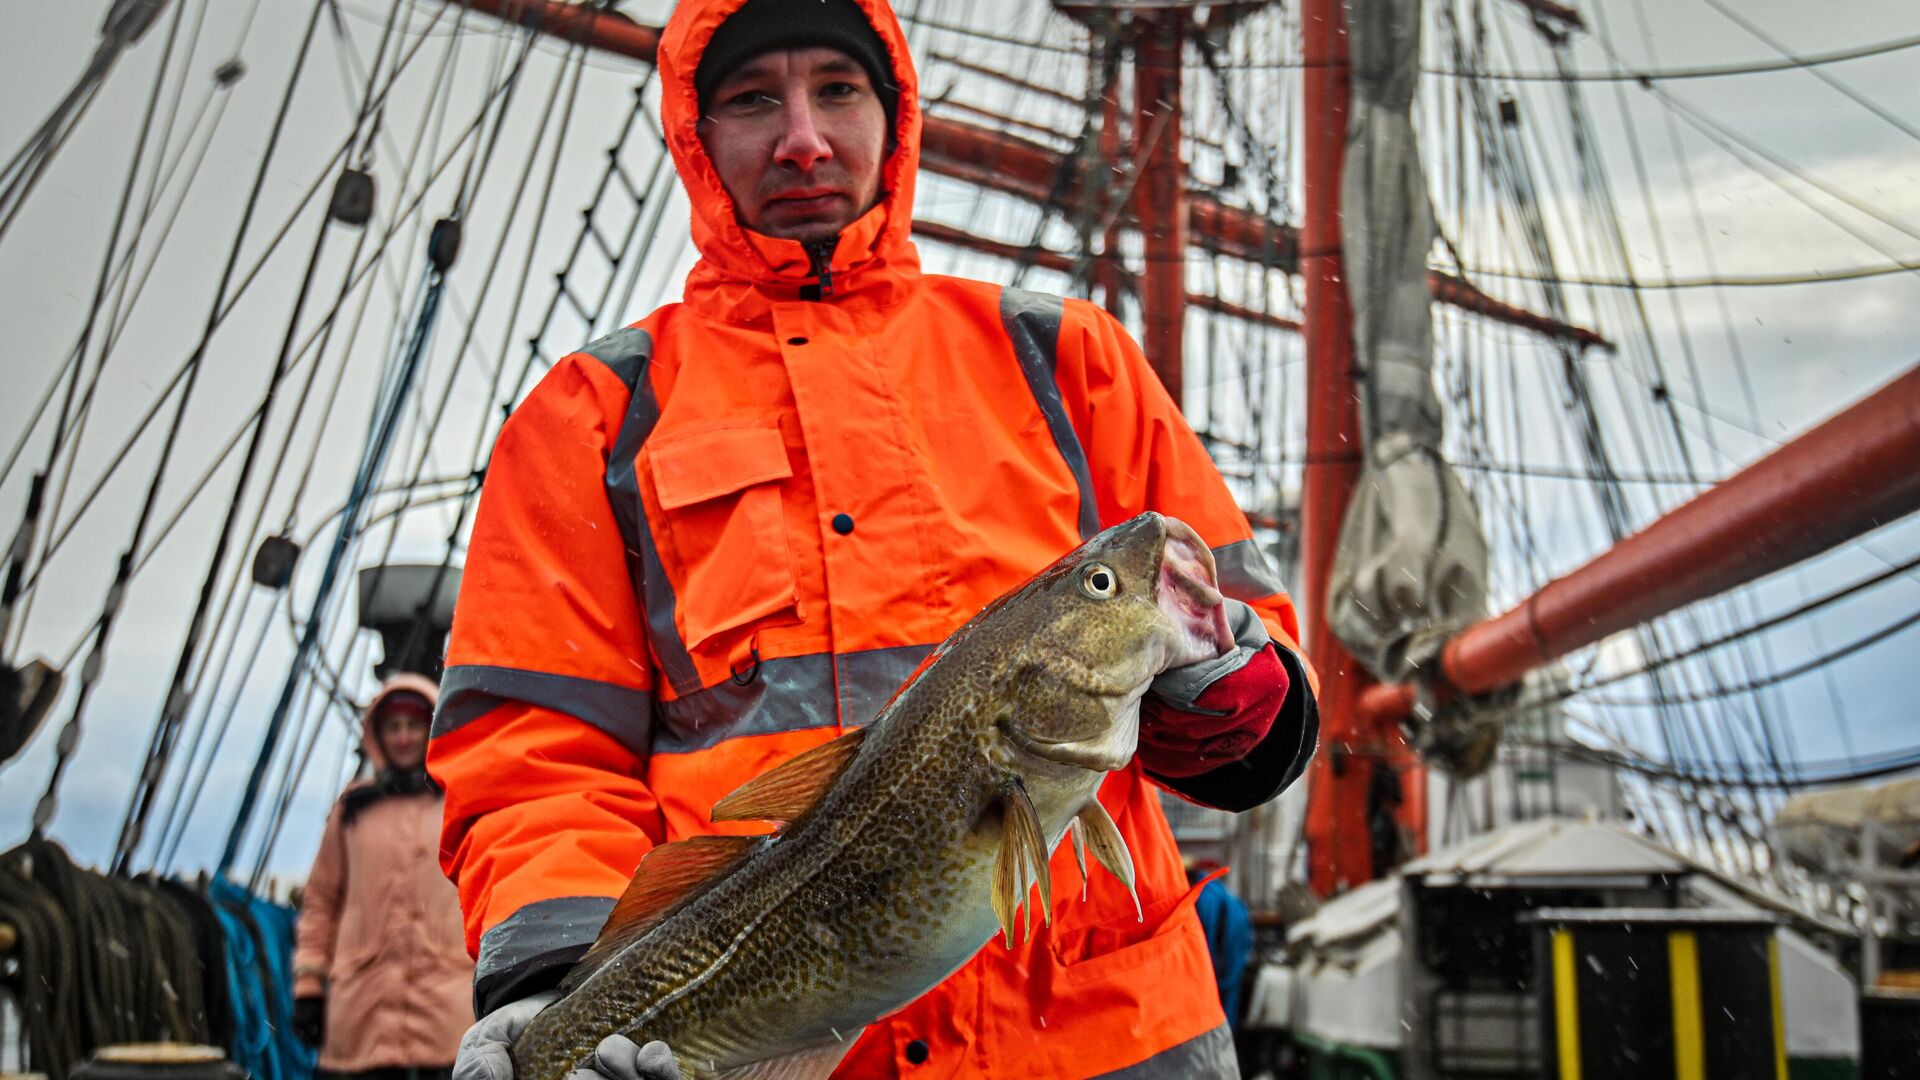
(1099, 581)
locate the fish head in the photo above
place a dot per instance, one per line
(1098, 626)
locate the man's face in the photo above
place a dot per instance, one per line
(798, 137)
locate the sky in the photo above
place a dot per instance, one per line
(1807, 350)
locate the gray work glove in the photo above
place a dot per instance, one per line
(620, 1058)
(484, 1054)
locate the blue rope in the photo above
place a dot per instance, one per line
(259, 963)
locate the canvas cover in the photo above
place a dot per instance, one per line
(1412, 564)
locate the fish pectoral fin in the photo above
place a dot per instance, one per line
(1021, 864)
(790, 789)
(667, 875)
(813, 1063)
(1109, 848)
(1079, 834)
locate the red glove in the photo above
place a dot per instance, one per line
(1228, 719)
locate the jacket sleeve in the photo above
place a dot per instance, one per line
(545, 712)
(1142, 455)
(320, 911)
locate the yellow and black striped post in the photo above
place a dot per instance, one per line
(1659, 994)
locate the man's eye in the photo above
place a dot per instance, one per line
(748, 99)
(841, 90)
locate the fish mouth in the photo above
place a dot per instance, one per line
(1189, 592)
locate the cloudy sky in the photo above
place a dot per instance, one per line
(1687, 208)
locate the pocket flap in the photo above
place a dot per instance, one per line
(696, 466)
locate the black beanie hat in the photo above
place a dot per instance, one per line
(764, 25)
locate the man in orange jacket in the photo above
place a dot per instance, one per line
(723, 535)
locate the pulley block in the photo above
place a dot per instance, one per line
(273, 563)
(352, 202)
(26, 697)
(443, 246)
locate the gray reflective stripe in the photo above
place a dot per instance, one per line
(865, 681)
(791, 693)
(1033, 322)
(1245, 571)
(643, 557)
(470, 691)
(1210, 1055)
(539, 930)
(625, 352)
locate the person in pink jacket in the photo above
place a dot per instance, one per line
(382, 983)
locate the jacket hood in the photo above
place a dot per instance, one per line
(730, 253)
(405, 682)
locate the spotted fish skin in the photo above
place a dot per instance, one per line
(886, 884)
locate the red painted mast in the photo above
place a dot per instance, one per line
(1341, 784)
(1160, 195)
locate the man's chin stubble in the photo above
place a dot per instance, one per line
(809, 233)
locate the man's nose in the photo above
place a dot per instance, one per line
(801, 145)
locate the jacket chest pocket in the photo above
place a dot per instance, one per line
(719, 490)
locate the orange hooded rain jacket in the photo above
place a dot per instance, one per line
(725, 534)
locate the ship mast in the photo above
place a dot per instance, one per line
(1353, 749)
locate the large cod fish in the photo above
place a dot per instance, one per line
(905, 845)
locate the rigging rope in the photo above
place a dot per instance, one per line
(225, 77)
(1711, 280)
(1622, 74)
(101, 287)
(402, 212)
(127, 21)
(1604, 209)
(1769, 711)
(127, 295)
(372, 461)
(1777, 677)
(1507, 165)
(179, 694)
(90, 673)
(471, 182)
(100, 960)
(1829, 78)
(139, 428)
(1724, 774)
(1773, 622)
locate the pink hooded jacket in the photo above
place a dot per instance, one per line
(380, 930)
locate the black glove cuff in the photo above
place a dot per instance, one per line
(1272, 765)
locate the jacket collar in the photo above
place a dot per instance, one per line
(742, 273)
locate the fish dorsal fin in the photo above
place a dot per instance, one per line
(667, 875)
(1109, 849)
(815, 1063)
(790, 789)
(1021, 864)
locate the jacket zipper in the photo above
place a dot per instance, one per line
(820, 253)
